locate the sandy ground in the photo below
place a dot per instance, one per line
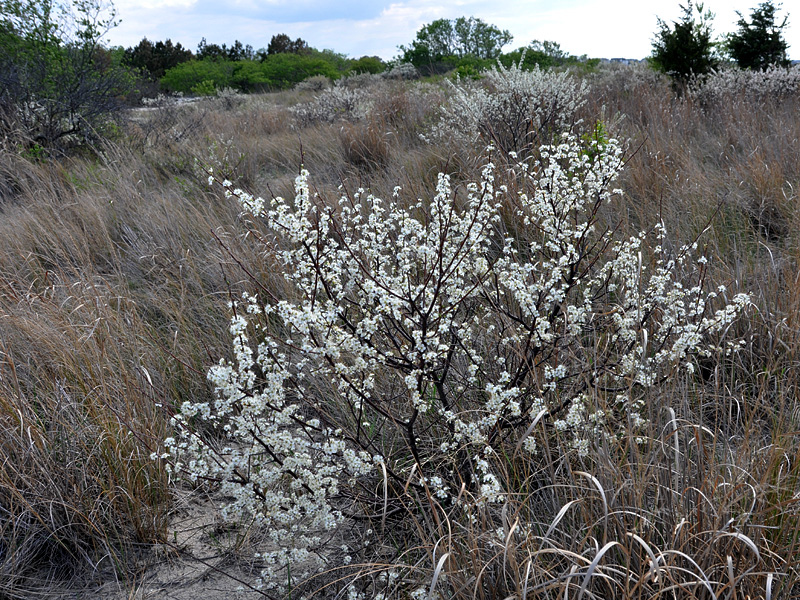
(200, 562)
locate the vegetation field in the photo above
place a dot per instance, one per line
(532, 335)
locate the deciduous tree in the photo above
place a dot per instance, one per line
(56, 81)
(458, 38)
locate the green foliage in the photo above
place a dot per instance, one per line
(543, 54)
(188, 75)
(367, 64)
(239, 51)
(759, 43)
(546, 55)
(204, 88)
(249, 76)
(441, 44)
(285, 70)
(466, 71)
(337, 60)
(34, 153)
(236, 52)
(277, 71)
(56, 81)
(685, 49)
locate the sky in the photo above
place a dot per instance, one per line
(597, 28)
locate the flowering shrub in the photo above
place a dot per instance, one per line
(724, 84)
(637, 79)
(414, 339)
(402, 71)
(333, 104)
(317, 83)
(361, 80)
(514, 108)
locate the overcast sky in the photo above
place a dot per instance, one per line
(599, 28)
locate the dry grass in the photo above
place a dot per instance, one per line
(115, 271)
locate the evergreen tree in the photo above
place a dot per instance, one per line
(156, 58)
(283, 44)
(686, 48)
(759, 43)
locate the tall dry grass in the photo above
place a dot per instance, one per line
(115, 273)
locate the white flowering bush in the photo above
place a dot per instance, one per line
(315, 83)
(414, 338)
(514, 108)
(731, 83)
(401, 71)
(361, 80)
(336, 103)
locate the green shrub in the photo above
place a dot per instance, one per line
(249, 76)
(205, 88)
(186, 76)
(285, 70)
(58, 86)
(367, 64)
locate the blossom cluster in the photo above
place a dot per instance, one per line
(414, 336)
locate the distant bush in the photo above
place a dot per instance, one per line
(403, 71)
(249, 76)
(361, 80)
(285, 70)
(366, 64)
(278, 71)
(333, 104)
(191, 74)
(513, 108)
(316, 83)
(204, 88)
(730, 84)
(545, 55)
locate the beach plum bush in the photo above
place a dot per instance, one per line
(411, 340)
(513, 108)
